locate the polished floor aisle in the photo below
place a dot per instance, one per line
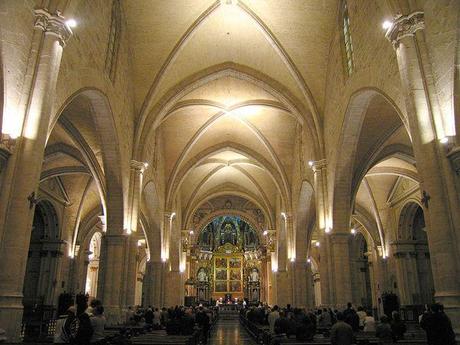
(228, 331)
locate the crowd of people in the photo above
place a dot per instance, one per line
(81, 324)
(342, 326)
(177, 320)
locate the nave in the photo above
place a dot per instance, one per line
(185, 152)
(229, 331)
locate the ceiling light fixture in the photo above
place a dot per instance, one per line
(387, 24)
(71, 23)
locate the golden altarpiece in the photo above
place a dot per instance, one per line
(228, 263)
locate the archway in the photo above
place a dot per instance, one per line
(41, 270)
(92, 273)
(414, 275)
(360, 271)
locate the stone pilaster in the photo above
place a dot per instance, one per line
(113, 268)
(441, 212)
(340, 267)
(154, 284)
(131, 271)
(17, 197)
(134, 195)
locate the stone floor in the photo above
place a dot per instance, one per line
(228, 331)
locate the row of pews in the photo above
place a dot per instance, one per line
(261, 335)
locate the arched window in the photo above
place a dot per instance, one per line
(114, 40)
(347, 41)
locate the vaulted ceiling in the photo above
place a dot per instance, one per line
(229, 85)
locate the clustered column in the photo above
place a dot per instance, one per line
(407, 37)
(18, 195)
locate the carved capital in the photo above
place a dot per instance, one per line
(53, 24)
(404, 26)
(139, 167)
(319, 165)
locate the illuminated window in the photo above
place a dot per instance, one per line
(114, 40)
(347, 41)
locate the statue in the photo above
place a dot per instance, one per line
(254, 275)
(228, 235)
(202, 277)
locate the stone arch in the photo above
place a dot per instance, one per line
(360, 270)
(228, 190)
(104, 124)
(412, 248)
(230, 212)
(92, 272)
(304, 220)
(38, 289)
(151, 219)
(151, 120)
(345, 166)
(407, 216)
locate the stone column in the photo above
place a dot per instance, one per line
(340, 266)
(112, 263)
(131, 270)
(174, 279)
(17, 198)
(301, 287)
(322, 212)
(134, 195)
(153, 284)
(442, 212)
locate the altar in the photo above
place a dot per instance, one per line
(228, 263)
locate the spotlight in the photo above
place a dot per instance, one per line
(327, 230)
(191, 232)
(317, 244)
(71, 23)
(444, 140)
(387, 24)
(310, 163)
(353, 231)
(265, 233)
(308, 260)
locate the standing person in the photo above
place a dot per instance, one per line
(148, 316)
(98, 323)
(438, 327)
(202, 319)
(351, 317)
(362, 316)
(383, 331)
(341, 332)
(397, 326)
(85, 330)
(66, 327)
(369, 322)
(272, 317)
(156, 319)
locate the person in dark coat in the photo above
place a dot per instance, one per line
(341, 332)
(351, 317)
(397, 326)
(437, 326)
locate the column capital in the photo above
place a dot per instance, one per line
(139, 167)
(404, 26)
(53, 24)
(318, 165)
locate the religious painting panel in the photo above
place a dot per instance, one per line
(235, 286)
(220, 286)
(221, 274)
